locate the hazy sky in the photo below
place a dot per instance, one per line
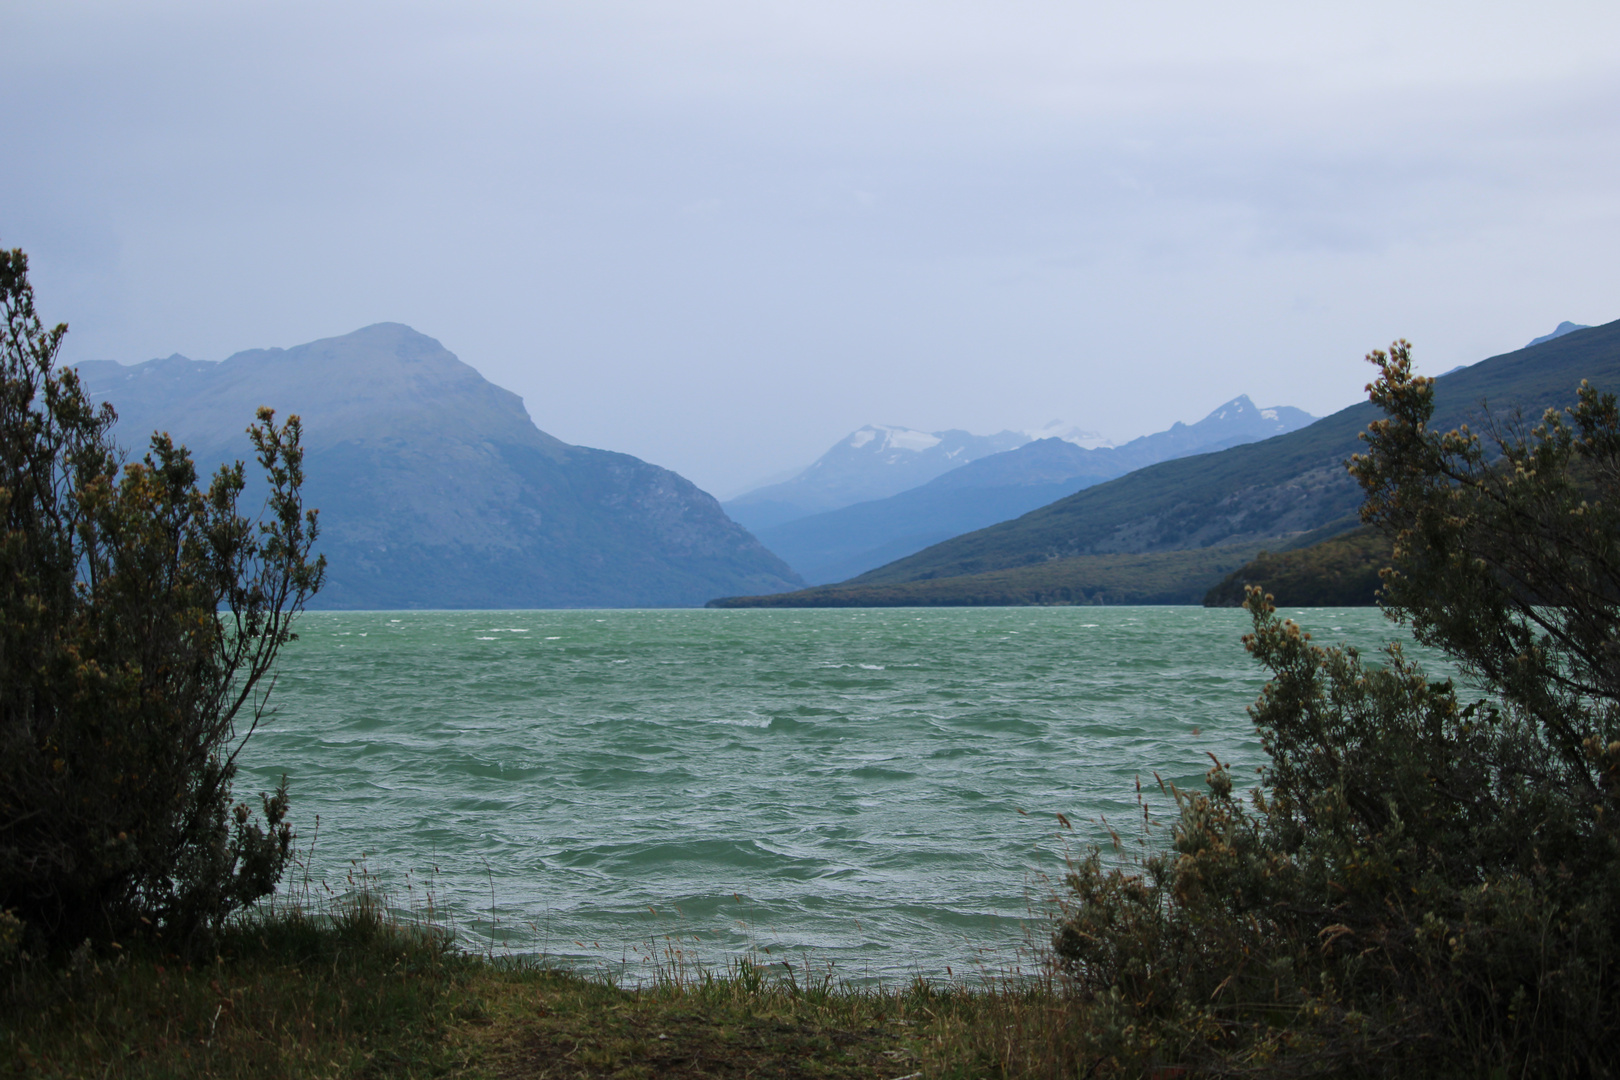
(720, 234)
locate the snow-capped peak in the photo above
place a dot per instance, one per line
(915, 441)
(1058, 429)
(873, 462)
(892, 438)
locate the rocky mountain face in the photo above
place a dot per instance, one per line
(872, 463)
(843, 543)
(437, 490)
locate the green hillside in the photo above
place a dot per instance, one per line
(1260, 492)
(1160, 577)
(1341, 571)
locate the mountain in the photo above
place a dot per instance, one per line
(1057, 429)
(1284, 485)
(849, 541)
(435, 488)
(872, 463)
(1256, 494)
(1560, 330)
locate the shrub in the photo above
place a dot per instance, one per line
(1420, 886)
(139, 618)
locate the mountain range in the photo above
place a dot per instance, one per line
(851, 540)
(1263, 493)
(871, 463)
(435, 488)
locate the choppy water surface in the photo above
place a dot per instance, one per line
(877, 788)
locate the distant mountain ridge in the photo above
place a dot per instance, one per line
(872, 462)
(843, 543)
(435, 487)
(1279, 487)
(1292, 488)
(1565, 327)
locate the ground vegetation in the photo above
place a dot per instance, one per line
(354, 987)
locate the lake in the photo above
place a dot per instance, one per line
(875, 789)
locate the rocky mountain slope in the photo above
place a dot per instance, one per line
(435, 487)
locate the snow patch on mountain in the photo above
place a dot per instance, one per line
(1059, 429)
(914, 441)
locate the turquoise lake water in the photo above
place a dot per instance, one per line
(875, 789)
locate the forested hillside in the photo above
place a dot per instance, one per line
(1341, 571)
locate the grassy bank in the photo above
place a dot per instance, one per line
(356, 993)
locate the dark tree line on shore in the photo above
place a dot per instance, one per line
(1342, 571)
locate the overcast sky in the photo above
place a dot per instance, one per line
(720, 234)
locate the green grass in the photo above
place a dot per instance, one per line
(284, 995)
(1162, 577)
(357, 993)
(745, 1024)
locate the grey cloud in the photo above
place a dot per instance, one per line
(720, 235)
